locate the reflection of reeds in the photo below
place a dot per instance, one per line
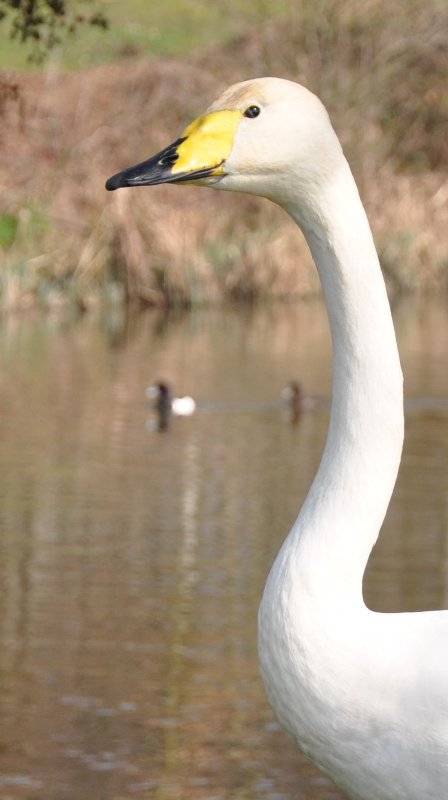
(64, 236)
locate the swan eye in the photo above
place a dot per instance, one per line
(252, 112)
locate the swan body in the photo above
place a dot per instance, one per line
(364, 694)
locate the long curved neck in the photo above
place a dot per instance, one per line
(344, 510)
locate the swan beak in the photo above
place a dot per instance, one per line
(198, 156)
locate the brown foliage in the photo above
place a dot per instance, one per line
(176, 246)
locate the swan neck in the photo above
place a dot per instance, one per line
(350, 494)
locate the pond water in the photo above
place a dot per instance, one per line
(133, 560)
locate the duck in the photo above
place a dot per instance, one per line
(363, 694)
(165, 402)
(160, 394)
(296, 401)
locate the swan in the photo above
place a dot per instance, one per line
(363, 694)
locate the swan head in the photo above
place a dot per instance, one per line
(266, 136)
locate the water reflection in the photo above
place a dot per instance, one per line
(132, 564)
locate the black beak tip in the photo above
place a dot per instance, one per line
(113, 183)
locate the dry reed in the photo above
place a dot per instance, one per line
(169, 246)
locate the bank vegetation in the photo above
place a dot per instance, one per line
(382, 76)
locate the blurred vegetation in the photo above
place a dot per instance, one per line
(382, 76)
(140, 28)
(45, 23)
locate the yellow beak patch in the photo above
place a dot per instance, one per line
(207, 142)
(198, 154)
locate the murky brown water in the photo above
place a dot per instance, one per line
(132, 561)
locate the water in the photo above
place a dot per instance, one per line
(132, 561)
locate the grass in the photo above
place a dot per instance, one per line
(8, 230)
(172, 28)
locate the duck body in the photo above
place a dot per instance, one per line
(183, 406)
(364, 694)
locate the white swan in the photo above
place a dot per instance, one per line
(365, 695)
